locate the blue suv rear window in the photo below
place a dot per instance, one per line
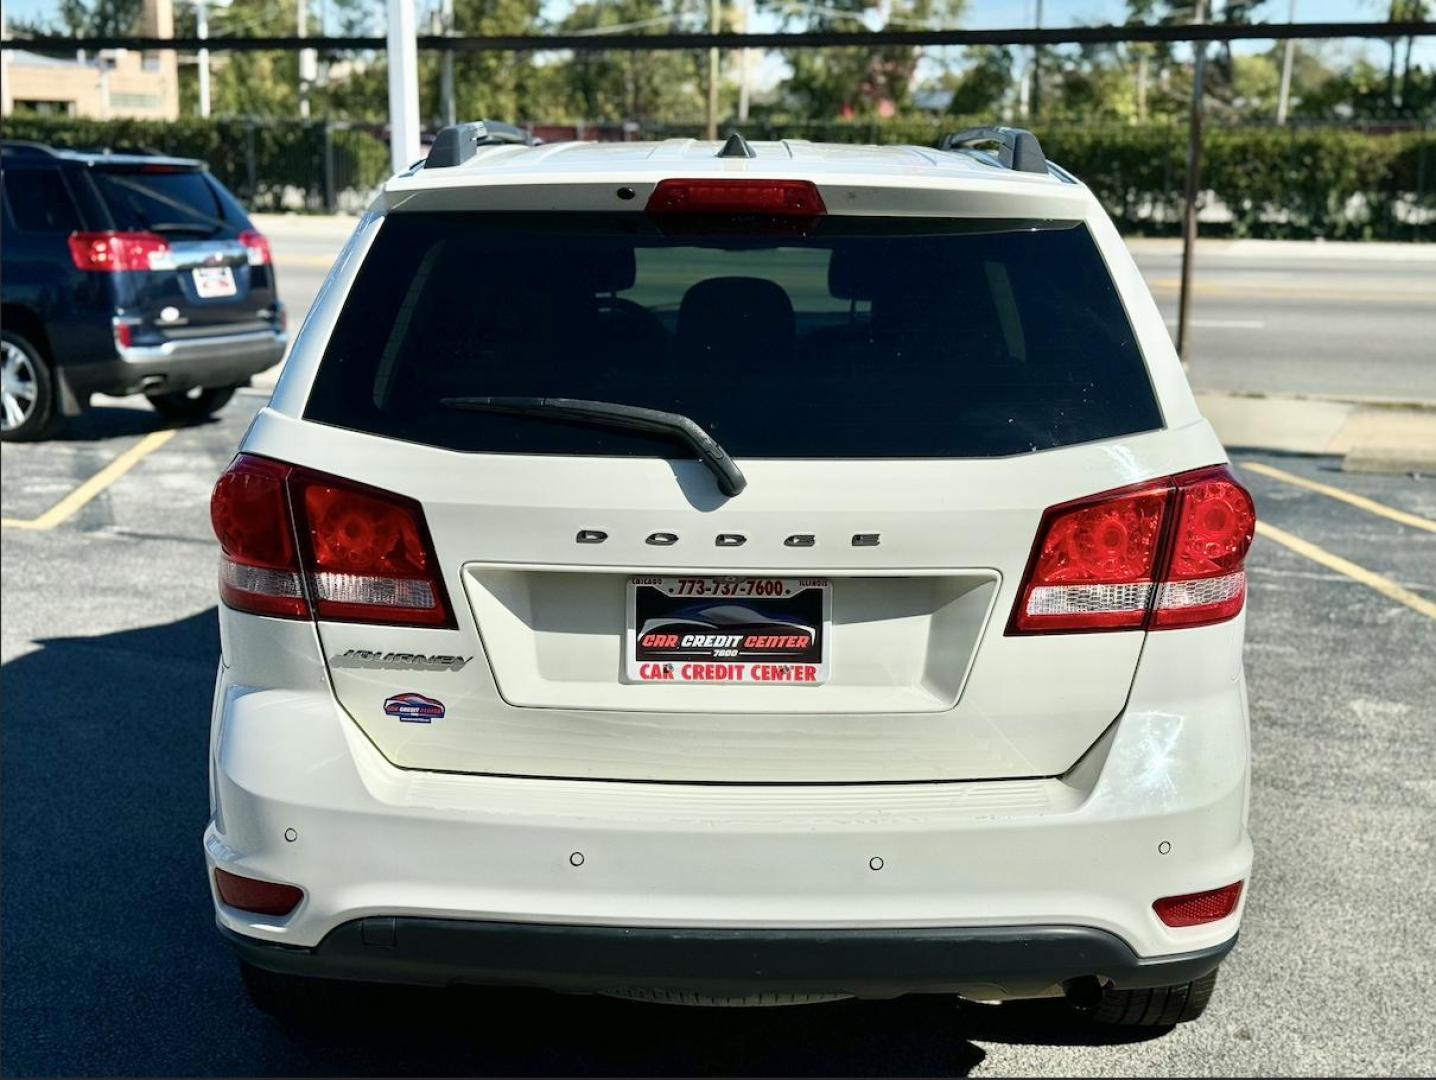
(166, 202)
(865, 338)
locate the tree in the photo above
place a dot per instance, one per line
(637, 86)
(981, 88)
(858, 82)
(260, 84)
(84, 18)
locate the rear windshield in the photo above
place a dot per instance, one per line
(163, 202)
(866, 338)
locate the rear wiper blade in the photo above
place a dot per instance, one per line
(616, 415)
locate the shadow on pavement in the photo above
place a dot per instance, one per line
(111, 964)
(115, 418)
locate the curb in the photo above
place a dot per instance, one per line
(1391, 461)
(1382, 438)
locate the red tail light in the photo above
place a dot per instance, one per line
(259, 564)
(769, 198)
(1205, 581)
(368, 554)
(1194, 909)
(112, 252)
(295, 543)
(256, 247)
(1159, 555)
(251, 894)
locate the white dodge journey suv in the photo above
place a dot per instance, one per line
(746, 574)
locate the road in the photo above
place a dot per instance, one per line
(1269, 319)
(1290, 320)
(112, 966)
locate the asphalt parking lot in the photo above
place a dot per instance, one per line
(111, 964)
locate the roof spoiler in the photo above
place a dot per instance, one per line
(459, 142)
(1017, 149)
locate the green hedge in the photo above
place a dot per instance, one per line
(270, 166)
(1274, 182)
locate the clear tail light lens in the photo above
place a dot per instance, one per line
(113, 252)
(1194, 909)
(1161, 555)
(256, 246)
(296, 544)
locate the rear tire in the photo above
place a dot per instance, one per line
(27, 390)
(195, 404)
(1159, 1006)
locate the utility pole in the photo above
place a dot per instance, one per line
(446, 66)
(1283, 99)
(745, 59)
(202, 31)
(713, 19)
(307, 61)
(1036, 99)
(403, 52)
(1194, 172)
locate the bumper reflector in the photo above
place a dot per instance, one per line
(260, 897)
(1194, 909)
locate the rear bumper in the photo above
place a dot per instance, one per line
(181, 364)
(985, 962)
(1061, 872)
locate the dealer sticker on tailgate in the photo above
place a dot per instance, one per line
(759, 631)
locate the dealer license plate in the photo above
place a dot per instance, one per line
(211, 282)
(740, 630)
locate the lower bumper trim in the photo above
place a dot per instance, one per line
(991, 962)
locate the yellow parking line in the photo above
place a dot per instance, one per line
(71, 503)
(1369, 505)
(1385, 586)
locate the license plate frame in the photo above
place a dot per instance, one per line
(214, 282)
(766, 651)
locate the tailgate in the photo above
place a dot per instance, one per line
(905, 398)
(923, 682)
(207, 281)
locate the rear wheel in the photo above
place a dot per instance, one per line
(27, 390)
(193, 404)
(1158, 1006)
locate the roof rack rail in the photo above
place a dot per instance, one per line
(27, 146)
(1018, 149)
(459, 142)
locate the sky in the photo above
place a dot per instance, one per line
(1002, 14)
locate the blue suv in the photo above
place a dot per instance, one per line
(127, 273)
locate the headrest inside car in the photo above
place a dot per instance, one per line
(608, 271)
(734, 312)
(851, 276)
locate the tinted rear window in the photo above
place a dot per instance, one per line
(868, 338)
(39, 201)
(173, 202)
